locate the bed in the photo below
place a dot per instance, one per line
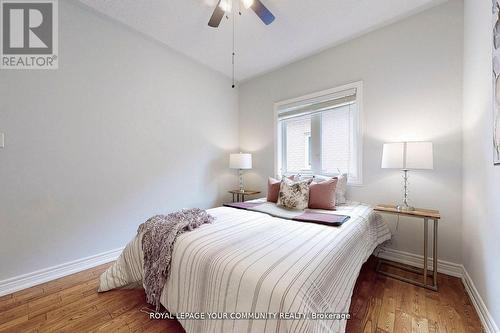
(252, 264)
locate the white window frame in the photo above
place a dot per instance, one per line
(317, 95)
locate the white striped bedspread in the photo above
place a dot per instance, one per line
(251, 263)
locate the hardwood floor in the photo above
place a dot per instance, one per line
(379, 304)
(382, 304)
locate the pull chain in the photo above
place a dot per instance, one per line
(234, 18)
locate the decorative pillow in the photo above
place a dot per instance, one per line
(294, 195)
(322, 195)
(340, 193)
(273, 188)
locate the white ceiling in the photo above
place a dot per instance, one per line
(301, 28)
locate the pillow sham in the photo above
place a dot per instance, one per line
(341, 189)
(294, 195)
(322, 195)
(273, 188)
(340, 193)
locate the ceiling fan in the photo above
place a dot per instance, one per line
(224, 6)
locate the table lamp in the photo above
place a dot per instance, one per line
(241, 162)
(407, 156)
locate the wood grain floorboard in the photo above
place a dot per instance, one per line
(379, 304)
(399, 307)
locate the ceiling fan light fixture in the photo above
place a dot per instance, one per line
(247, 3)
(226, 5)
(223, 8)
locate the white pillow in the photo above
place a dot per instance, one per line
(298, 177)
(341, 190)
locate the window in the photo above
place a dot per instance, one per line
(321, 134)
(298, 132)
(307, 143)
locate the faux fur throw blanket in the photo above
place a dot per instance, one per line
(160, 233)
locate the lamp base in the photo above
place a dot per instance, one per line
(240, 175)
(405, 208)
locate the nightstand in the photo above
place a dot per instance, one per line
(240, 195)
(425, 215)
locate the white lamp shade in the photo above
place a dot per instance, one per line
(392, 156)
(240, 161)
(419, 155)
(408, 155)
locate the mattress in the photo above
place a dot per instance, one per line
(251, 272)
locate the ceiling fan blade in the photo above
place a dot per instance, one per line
(265, 15)
(217, 16)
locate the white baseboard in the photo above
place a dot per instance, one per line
(489, 324)
(415, 260)
(44, 275)
(447, 268)
(51, 273)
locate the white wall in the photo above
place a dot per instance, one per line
(481, 185)
(126, 128)
(412, 73)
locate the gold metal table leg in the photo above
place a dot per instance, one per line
(425, 272)
(426, 235)
(434, 254)
(402, 278)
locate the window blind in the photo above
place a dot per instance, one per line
(318, 104)
(321, 134)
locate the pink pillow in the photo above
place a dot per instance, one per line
(273, 188)
(322, 195)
